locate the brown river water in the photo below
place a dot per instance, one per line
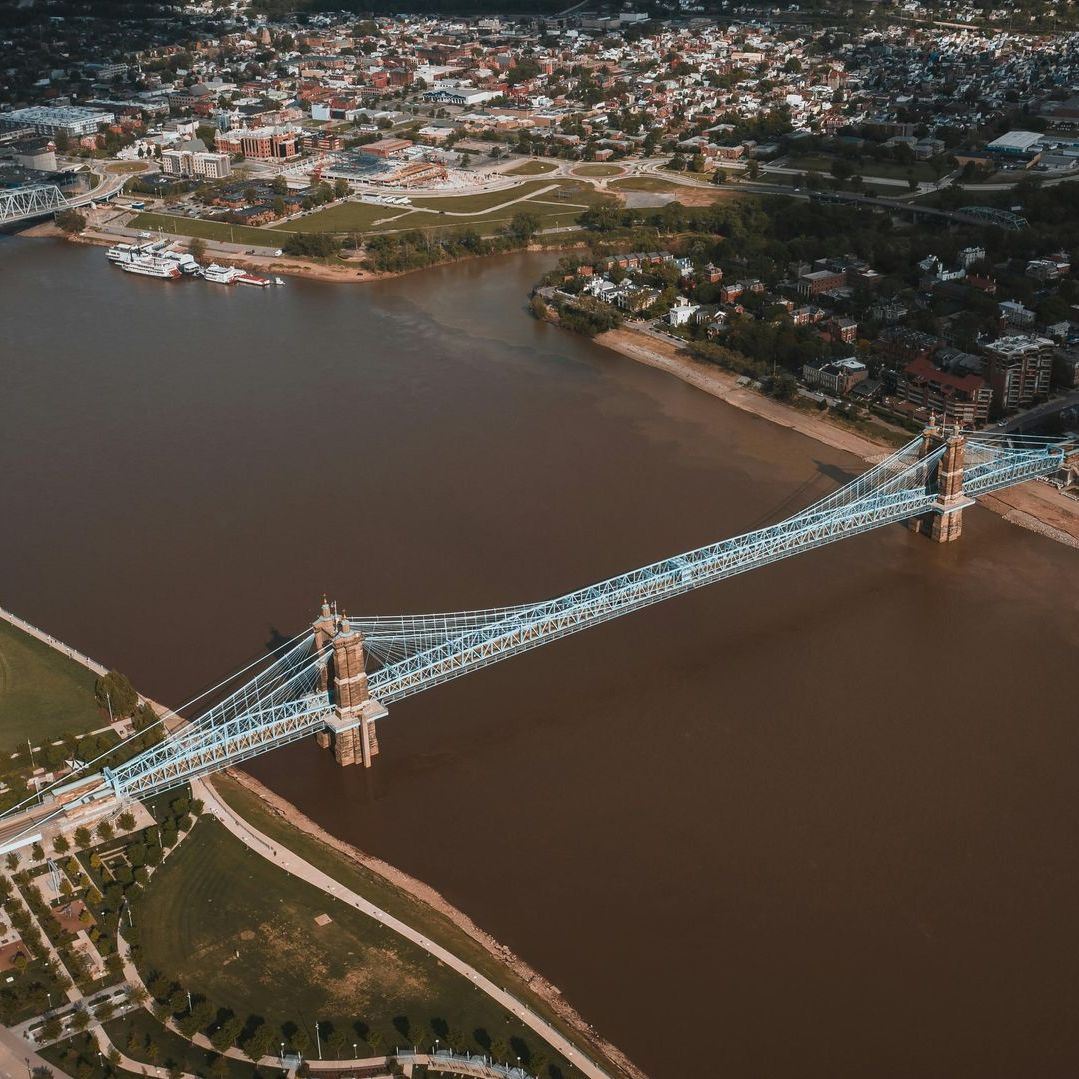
(819, 820)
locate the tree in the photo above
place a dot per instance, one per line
(260, 1043)
(227, 1034)
(196, 248)
(524, 225)
(71, 221)
(126, 820)
(12, 861)
(82, 836)
(340, 188)
(114, 693)
(61, 845)
(37, 852)
(105, 830)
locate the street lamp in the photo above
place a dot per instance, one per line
(355, 1054)
(282, 1052)
(318, 1040)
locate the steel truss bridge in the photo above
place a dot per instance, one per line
(38, 200)
(19, 203)
(288, 700)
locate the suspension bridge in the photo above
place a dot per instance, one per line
(335, 680)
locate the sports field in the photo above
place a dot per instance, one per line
(42, 692)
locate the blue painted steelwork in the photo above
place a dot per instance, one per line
(285, 702)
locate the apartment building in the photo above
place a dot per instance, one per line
(195, 163)
(964, 398)
(1020, 368)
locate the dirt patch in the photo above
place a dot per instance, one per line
(68, 916)
(9, 952)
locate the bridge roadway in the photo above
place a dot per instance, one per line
(928, 482)
(22, 204)
(415, 653)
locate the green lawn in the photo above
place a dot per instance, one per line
(77, 1055)
(42, 692)
(382, 893)
(597, 169)
(485, 211)
(344, 217)
(206, 230)
(531, 168)
(482, 200)
(227, 924)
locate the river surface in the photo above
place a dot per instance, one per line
(819, 820)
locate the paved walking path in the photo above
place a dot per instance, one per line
(294, 864)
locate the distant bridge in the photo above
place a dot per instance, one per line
(965, 215)
(39, 200)
(335, 680)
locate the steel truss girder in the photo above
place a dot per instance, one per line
(30, 201)
(285, 702)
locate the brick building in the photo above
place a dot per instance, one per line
(263, 143)
(958, 397)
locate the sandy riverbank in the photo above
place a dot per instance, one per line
(349, 272)
(1033, 505)
(537, 984)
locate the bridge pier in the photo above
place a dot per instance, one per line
(945, 523)
(350, 730)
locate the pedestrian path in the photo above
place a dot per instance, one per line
(297, 866)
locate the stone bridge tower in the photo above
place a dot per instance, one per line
(350, 729)
(945, 522)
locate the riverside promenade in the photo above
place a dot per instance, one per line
(297, 866)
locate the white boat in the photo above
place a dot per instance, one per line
(221, 275)
(152, 266)
(278, 281)
(121, 253)
(253, 279)
(185, 261)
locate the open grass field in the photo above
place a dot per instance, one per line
(645, 183)
(42, 692)
(206, 230)
(343, 217)
(557, 203)
(531, 168)
(597, 169)
(381, 892)
(246, 934)
(483, 200)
